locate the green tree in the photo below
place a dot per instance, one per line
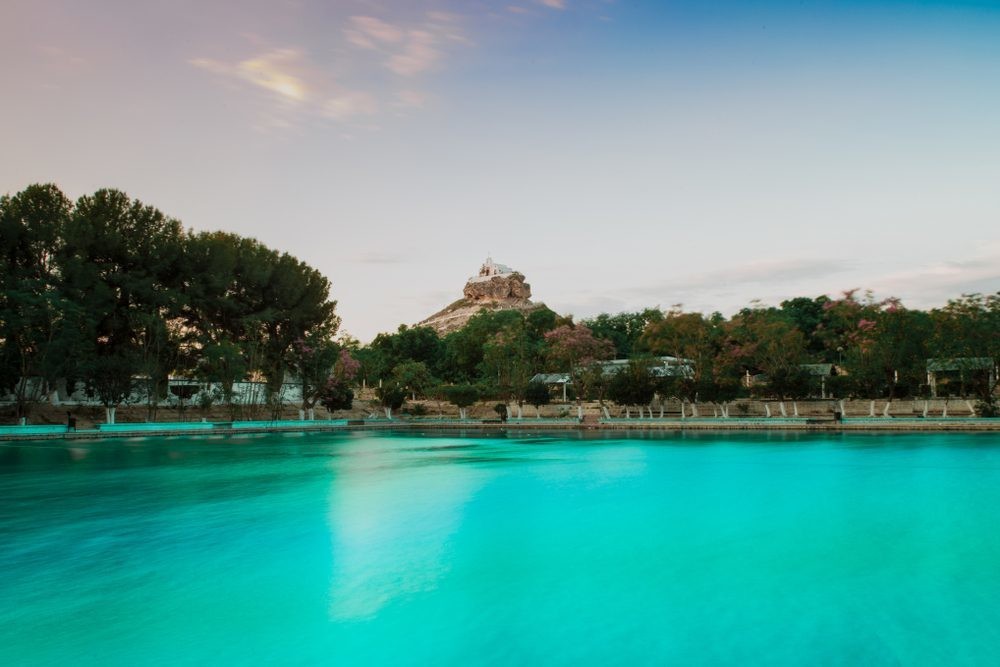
(461, 396)
(537, 394)
(413, 377)
(391, 398)
(36, 318)
(624, 330)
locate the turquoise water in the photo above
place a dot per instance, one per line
(390, 549)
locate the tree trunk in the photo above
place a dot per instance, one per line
(604, 409)
(694, 409)
(781, 408)
(579, 412)
(302, 415)
(944, 412)
(795, 408)
(926, 408)
(312, 414)
(972, 410)
(628, 413)
(109, 415)
(683, 416)
(388, 413)
(871, 409)
(843, 410)
(538, 413)
(885, 411)
(767, 410)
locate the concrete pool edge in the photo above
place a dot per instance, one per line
(890, 424)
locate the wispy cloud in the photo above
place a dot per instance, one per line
(933, 284)
(368, 31)
(376, 60)
(407, 49)
(294, 84)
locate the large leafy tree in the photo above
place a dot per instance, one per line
(624, 330)
(121, 262)
(572, 348)
(36, 318)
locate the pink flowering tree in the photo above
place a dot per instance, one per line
(336, 393)
(572, 348)
(314, 359)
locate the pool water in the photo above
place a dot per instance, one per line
(388, 549)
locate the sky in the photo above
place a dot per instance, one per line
(619, 154)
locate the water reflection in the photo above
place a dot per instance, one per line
(392, 514)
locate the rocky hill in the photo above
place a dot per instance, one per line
(497, 287)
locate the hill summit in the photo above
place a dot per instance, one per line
(497, 287)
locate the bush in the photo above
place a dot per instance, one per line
(417, 410)
(987, 409)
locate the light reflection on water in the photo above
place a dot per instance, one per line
(389, 549)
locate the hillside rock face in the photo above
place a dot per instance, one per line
(497, 287)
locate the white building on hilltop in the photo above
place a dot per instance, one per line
(490, 269)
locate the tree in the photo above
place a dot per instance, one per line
(412, 376)
(312, 359)
(510, 358)
(695, 341)
(336, 393)
(36, 319)
(461, 396)
(537, 394)
(966, 328)
(624, 330)
(574, 349)
(121, 265)
(391, 398)
(109, 377)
